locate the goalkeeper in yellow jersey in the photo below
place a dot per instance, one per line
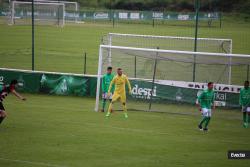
(120, 80)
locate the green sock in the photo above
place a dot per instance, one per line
(248, 117)
(244, 117)
(203, 120)
(207, 122)
(103, 103)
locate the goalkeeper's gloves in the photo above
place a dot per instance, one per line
(108, 95)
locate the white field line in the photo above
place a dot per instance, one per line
(30, 162)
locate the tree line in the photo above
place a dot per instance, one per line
(241, 6)
(237, 6)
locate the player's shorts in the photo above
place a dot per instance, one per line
(1, 107)
(121, 97)
(206, 112)
(245, 109)
(105, 96)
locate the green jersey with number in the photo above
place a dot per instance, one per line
(206, 99)
(245, 97)
(106, 80)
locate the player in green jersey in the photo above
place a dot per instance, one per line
(206, 103)
(245, 103)
(106, 80)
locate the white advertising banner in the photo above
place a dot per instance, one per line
(198, 85)
(135, 16)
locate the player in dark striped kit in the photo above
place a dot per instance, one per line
(4, 91)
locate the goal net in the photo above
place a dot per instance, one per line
(71, 9)
(45, 13)
(169, 42)
(148, 69)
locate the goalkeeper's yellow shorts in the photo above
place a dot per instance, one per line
(119, 96)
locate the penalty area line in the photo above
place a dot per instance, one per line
(30, 162)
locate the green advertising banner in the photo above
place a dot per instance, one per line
(118, 14)
(82, 85)
(28, 81)
(50, 83)
(226, 96)
(144, 15)
(64, 85)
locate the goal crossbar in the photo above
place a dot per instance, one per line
(176, 51)
(168, 37)
(63, 2)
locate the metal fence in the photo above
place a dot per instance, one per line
(116, 16)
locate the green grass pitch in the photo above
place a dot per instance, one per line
(64, 131)
(62, 49)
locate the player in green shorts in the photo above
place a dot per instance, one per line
(206, 103)
(245, 103)
(106, 80)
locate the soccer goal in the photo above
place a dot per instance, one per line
(169, 42)
(71, 9)
(148, 69)
(45, 13)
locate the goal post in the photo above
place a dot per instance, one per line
(156, 66)
(44, 13)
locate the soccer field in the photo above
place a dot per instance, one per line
(58, 131)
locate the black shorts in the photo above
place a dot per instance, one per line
(1, 107)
